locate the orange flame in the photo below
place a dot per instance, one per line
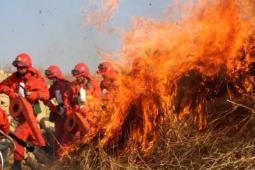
(176, 66)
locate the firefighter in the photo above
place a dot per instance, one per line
(60, 90)
(86, 93)
(26, 83)
(108, 87)
(85, 87)
(106, 70)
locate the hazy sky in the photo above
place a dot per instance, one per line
(51, 30)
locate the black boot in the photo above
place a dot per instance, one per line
(16, 165)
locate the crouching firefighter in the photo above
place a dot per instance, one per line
(60, 90)
(25, 87)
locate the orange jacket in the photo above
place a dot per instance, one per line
(92, 90)
(35, 85)
(108, 84)
(64, 87)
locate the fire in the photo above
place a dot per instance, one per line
(174, 68)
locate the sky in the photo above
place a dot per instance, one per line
(51, 31)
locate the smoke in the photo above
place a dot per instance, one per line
(99, 12)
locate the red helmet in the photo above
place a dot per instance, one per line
(104, 68)
(80, 70)
(53, 71)
(22, 60)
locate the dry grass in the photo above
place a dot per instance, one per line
(227, 143)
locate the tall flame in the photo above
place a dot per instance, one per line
(174, 67)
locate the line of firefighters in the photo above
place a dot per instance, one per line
(82, 95)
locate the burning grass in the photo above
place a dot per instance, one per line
(228, 143)
(171, 108)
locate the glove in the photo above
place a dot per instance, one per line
(52, 117)
(68, 112)
(32, 96)
(4, 89)
(13, 95)
(30, 148)
(8, 91)
(76, 107)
